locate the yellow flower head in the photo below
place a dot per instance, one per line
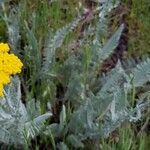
(9, 65)
(4, 48)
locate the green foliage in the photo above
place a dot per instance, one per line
(86, 106)
(141, 73)
(17, 122)
(56, 42)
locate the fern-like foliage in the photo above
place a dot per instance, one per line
(55, 42)
(98, 112)
(12, 23)
(111, 44)
(141, 74)
(17, 122)
(93, 106)
(110, 104)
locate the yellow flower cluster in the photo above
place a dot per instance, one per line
(9, 65)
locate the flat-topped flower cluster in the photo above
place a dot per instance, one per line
(9, 65)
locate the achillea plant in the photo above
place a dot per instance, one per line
(89, 106)
(9, 65)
